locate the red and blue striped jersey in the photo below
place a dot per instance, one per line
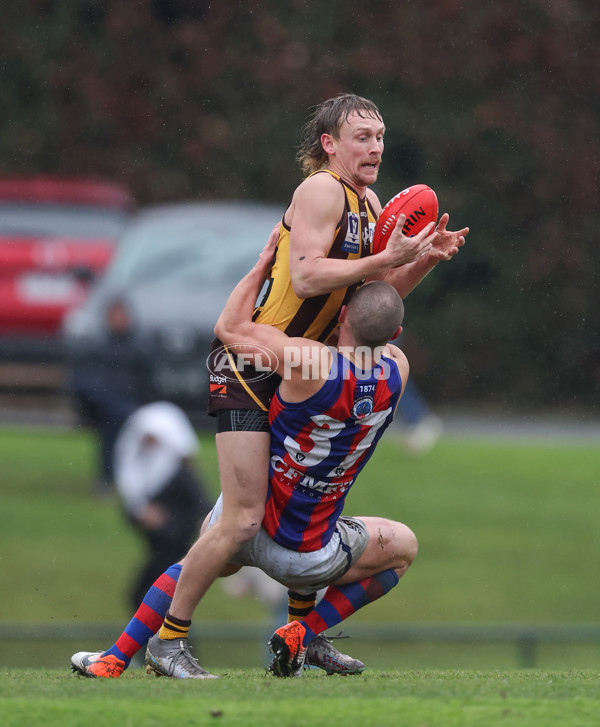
(319, 446)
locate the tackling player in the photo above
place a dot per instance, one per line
(327, 416)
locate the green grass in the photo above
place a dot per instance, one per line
(249, 697)
(507, 532)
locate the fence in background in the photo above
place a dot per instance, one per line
(526, 638)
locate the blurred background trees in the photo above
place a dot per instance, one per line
(495, 105)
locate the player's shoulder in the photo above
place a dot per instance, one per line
(323, 180)
(304, 367)
(398, 356)
(319, 192)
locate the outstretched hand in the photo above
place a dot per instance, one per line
(445, 243)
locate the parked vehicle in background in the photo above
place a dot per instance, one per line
(174, 268)
(56, 236)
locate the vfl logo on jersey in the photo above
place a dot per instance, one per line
(362, 407)
(352, 241)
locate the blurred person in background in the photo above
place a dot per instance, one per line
(104, 390)
(163, 496)
(418, 427)
(423, 428)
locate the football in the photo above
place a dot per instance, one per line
(420, 205)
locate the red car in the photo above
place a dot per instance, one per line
(56, 236)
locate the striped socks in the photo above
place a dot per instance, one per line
(148, 618)
(299, 605)
(174, 628)
(340, 602)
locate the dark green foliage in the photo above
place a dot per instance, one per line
(495, 106)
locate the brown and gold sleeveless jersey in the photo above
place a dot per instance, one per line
(316, 317)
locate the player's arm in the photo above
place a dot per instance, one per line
(316, 209)
(444, 246)
(235, 325)
(401, 361)
(236, 329)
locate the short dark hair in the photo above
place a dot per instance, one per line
(328, 118)
(374, 313)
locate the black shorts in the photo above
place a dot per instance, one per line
(237, 387)
(242, 420)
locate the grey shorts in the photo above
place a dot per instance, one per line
(304, 572)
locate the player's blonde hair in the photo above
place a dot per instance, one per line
(375, 311)
(328, 118)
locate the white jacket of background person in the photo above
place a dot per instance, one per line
(150, 449)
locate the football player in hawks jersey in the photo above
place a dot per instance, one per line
(327, 415)
(323, 252)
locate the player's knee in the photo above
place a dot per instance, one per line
(242, 525)
(247, 530)
(406, 548)
(412, 545)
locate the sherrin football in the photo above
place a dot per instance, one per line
(420, 205)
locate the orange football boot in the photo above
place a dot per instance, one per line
(286, 645)
(92, 664)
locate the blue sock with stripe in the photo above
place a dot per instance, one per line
(148, 618)
(339, 602)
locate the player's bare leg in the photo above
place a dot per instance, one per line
(391, 545)
(243, 468)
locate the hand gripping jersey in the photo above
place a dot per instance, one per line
(318, 447)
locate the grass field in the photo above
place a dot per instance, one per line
(450, 698)
(508, 534)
